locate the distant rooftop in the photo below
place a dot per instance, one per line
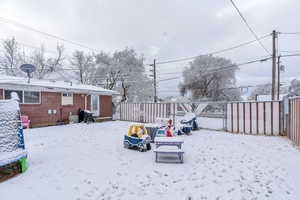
(269, 97)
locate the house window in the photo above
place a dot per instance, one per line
(31, 97)
(66, 99)
(25, 97)
(7, 94)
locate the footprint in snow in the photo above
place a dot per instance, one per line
(58, 188)
(230, 190)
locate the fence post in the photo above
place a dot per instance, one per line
(174, 106)
(288, 125)
(225, 117)
(121, 111)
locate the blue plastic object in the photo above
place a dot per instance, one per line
(187, 129)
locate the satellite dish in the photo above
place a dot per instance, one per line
(28, 68)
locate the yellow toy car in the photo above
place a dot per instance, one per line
(137, 138)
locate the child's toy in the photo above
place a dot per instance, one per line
(161, 132)
(165, 132)
(25, 121)
(12, 149)
(151, 130)
(168, 132)
(191, 119)
(137, 137)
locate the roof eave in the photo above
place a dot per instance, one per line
(40, 88)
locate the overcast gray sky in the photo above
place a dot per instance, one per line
(164, 30)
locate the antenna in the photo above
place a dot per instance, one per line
(28, 68)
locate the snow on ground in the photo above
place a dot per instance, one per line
(82, 161)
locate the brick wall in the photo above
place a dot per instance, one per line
(38, 113)
(105, 106)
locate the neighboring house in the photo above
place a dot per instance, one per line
(49, 102)
(269, 97)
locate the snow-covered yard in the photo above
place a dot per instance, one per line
(82, 161)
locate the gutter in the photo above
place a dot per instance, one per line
(40, 88)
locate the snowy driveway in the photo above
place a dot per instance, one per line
(80, 161)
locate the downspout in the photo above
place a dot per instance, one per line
(85, 102)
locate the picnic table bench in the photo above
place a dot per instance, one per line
(166, 150)
(169, 146)
(168, 141)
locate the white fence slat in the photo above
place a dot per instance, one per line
(247, 118)
(229, 122)
(261, 118)
(276, 118)
(268, 118)
(254, 122)
(235, 117)
(241, 117)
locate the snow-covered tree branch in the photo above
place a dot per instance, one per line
(207, 77)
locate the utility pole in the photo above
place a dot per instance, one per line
(274, 36)
(154, 81)
(278, 78)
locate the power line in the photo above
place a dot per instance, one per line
(290, 55)
(169, 73)
(290, 33)
(227, 88)
(33, 47)
(214, 52)
(168, 79)
(249, 27)
(251, 58)
(289, 51)
(9, 21)
(229, 67)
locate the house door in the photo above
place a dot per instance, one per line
(95, 106)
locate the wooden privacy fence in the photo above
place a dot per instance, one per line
(257, 118)
(293, 131)
(148, 112)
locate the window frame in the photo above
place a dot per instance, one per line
(23, 99)
(31, 103)
(68, 96)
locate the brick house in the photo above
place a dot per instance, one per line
(47, 102)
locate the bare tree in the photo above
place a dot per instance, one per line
(56, 63)
(46, 65)
(294, 88)
(133, 82)
(124, 71)
(38, 59)
(11, 57)
(204, 78)
(106, 74)
(85, 65)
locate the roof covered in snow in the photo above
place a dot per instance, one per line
(21, 83)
